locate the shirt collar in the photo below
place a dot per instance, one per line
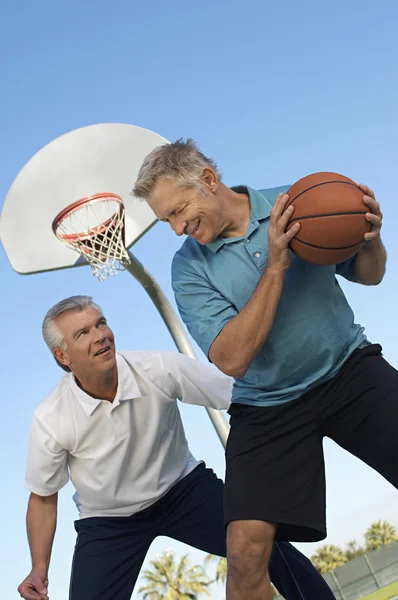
(127, 388)
(260, 208)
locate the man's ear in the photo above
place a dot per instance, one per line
(62, 356)
(209, 179)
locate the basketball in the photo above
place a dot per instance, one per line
(331, 213)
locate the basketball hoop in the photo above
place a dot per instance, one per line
(94, 227)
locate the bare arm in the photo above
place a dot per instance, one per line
(41, 521)
(370, 262)
(242, 338)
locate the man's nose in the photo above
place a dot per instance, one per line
(178, 226)
(99, 336)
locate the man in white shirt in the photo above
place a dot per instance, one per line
(113, 427)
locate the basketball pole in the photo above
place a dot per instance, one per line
(177, 332)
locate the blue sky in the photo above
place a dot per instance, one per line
(273, 92)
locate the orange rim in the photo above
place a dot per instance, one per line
(101, 228)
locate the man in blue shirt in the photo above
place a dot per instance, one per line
(284, 330)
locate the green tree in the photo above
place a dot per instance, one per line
(380, 533)
(353, 550)
(328, 558)
(221, 569)
(168, 579)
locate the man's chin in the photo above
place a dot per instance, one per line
(206, 240)
(108, 363)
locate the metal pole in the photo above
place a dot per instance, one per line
(337, 583)
(371, 569)
(174, 325)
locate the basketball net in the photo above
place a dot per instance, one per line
(94, 227)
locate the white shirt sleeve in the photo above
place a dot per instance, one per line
(195, 383)
(47, 466)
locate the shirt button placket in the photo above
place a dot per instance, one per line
(118, 423)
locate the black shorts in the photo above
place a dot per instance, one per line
(275, 467)
(110, 551)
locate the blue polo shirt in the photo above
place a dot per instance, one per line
(314, 331)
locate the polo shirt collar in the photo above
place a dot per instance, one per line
(260, 208)
(127, 388)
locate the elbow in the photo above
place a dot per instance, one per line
(231, 363)
(375, 279)
(235, 370)
(370, 273)
(378, 278)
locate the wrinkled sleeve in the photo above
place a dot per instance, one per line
(192, 382)
(47, 465)
(203, 309)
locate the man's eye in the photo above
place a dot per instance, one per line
(101, 323)
(177, 211)
(82, 333)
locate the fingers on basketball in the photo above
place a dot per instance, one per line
(292, 231)
(279, 207)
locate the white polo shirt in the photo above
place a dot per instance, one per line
(121, 456)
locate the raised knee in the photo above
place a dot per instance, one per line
(249, 547)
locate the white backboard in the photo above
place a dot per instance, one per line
(87, 161)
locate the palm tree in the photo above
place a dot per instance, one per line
(328, 558)
(353, 550)
(169, 580)
(221, 570)
(380, 533)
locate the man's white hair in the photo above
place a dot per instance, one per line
(51, 332)
(181, 161)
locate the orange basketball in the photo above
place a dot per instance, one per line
(331, 212)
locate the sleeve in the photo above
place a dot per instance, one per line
(193, 382)
(203, 309)
(47, 465)
(347, 269)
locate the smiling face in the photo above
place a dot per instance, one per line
(190, 211)
(89, 342)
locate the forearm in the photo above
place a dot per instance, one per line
(370, 263)
(41, 522)
(242, 338)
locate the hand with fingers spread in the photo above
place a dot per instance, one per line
(375, 216)
(34, 586)
(278, 238)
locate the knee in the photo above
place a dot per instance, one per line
(249, 547)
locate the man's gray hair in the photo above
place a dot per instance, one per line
(51, 333)
(181, 161)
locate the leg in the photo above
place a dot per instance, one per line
(108, 556)
(275, 475)
(363, 411)
(192, 512)
(249, 547)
